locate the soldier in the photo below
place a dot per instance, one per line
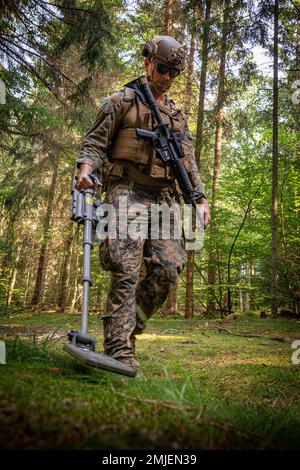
(130, 167)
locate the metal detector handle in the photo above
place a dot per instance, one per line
(94, 180)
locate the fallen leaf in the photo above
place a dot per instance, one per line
(53, 370)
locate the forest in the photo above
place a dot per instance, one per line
(241, 93)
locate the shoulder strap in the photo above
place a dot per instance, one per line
(134, 86)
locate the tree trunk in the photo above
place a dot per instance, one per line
(204, 61)
(252, 278)
(65, 286)
(26, 293)
(246, 296)
(217, 164)
(168, 17)
(274, 222)
(42, 265)
(189, 293)
(241, 300)
(189, 305)
(13, 277)
(190, 71)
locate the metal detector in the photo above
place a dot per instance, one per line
(81, 346)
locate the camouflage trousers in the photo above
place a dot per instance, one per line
(132, 300)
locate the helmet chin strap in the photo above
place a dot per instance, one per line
(157, 87)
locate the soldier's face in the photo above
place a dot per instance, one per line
(161, 82)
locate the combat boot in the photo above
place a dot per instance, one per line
(130, 361)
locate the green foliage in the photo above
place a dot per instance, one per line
(90, 26)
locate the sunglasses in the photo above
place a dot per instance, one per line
(163, 69)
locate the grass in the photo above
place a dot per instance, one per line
(204, 385)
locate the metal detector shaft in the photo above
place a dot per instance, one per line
(87, 247)
(84, 212)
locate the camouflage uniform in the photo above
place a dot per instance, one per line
(132, 301)
(131, 168)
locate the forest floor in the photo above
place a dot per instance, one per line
(205, 384)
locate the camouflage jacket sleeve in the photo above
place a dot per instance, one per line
(190, 162)
(97, 140)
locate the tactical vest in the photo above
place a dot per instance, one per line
(138, 156)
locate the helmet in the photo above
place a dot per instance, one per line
(166, 50)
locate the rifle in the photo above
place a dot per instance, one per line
(169, 148)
